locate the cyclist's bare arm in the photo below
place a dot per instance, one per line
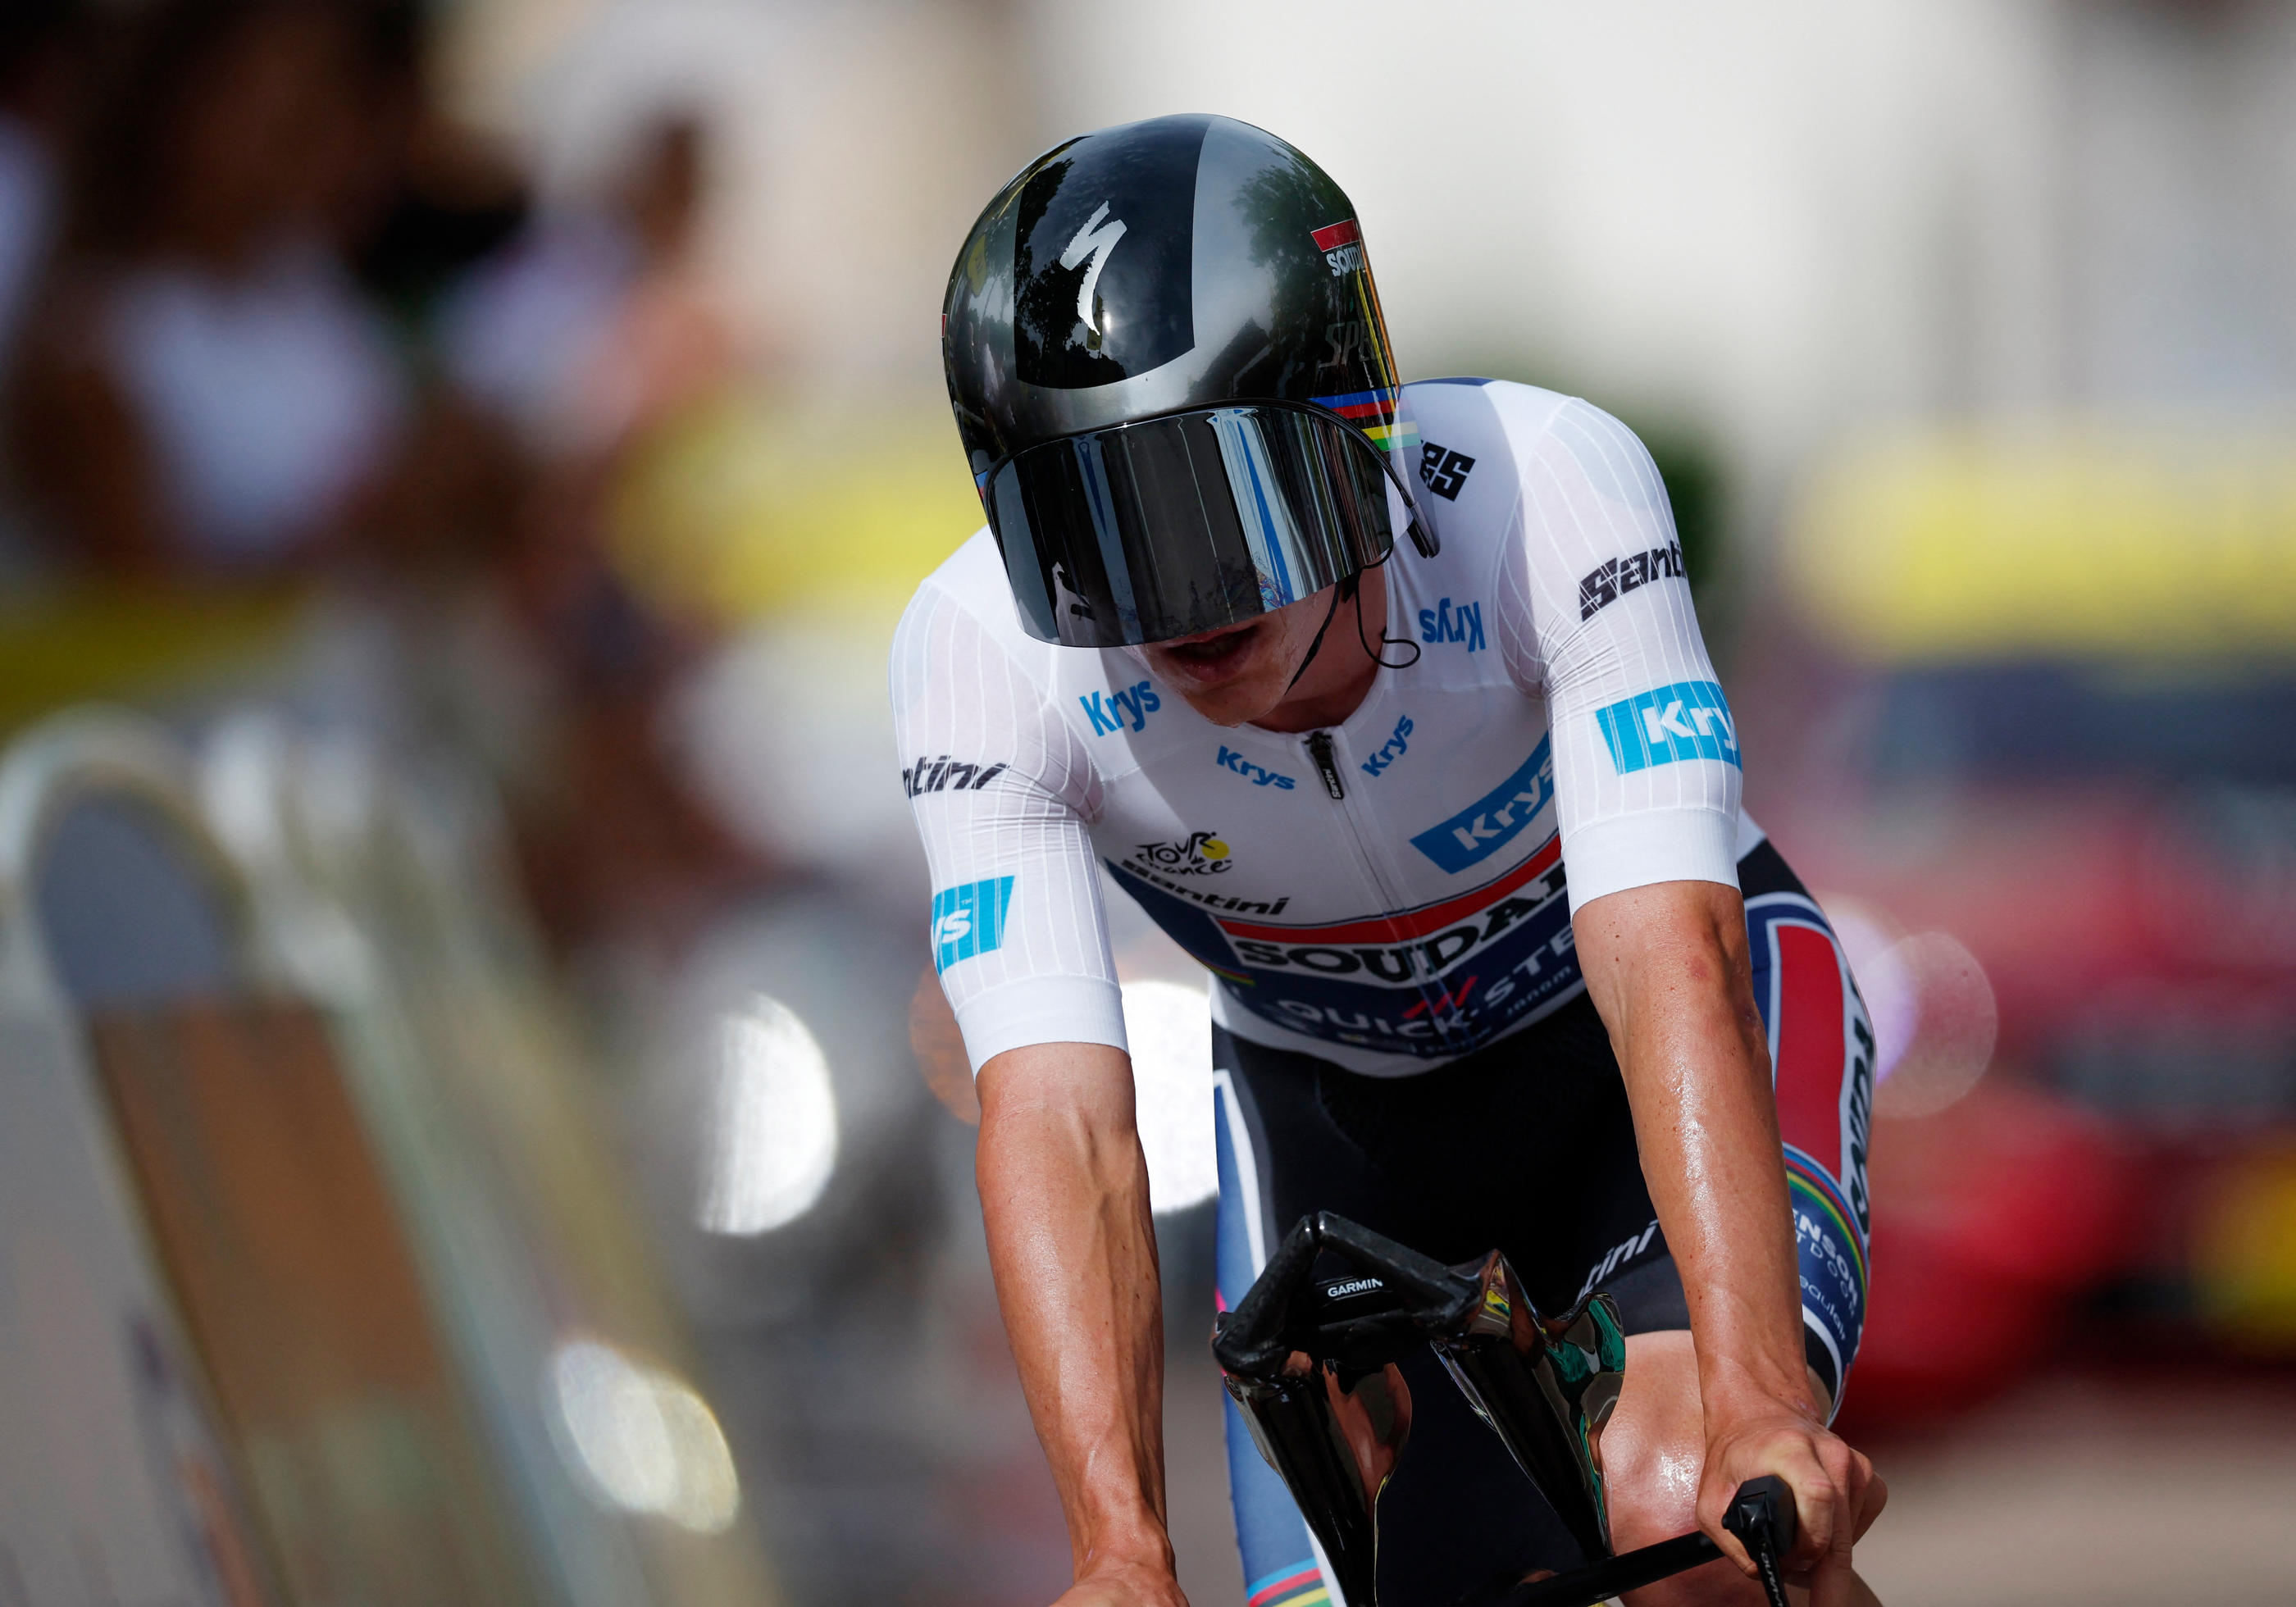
(1666, 966)
(1064, 1195)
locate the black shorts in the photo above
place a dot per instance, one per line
(1527, 1147)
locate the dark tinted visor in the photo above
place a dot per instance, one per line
(1187, 523)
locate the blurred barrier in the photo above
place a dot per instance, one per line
(2050, 540)
(112, 1468)
(383, 895)
(382, 1203)
(277, 1234)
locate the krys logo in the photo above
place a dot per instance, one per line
(1493, 820)
(1393, 749)
(970, 920)
(1198, 854)
(1689, 719)
(1114, 710)
(1442, 623)
(1230, 759)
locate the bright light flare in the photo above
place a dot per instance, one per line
(1170, 1028)
(772, 1139)
(1935, 1018)
(644, 1440)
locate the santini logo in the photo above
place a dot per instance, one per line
(1114, 710)
(1393, 749)
(1619, 576)
(969, 920)
(1690, 719)
(1441, 623)
(1230, 759)
(939, 776)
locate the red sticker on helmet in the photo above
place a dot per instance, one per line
(1334, 236)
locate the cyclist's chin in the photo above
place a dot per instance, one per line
(1229, 677)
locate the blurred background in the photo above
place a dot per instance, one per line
(460, 466)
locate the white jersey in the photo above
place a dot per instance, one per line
(1389, 893)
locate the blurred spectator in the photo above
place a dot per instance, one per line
(38, 63)
(206, 392)
(431, 197)
(39, 59)
(586, 334)
(592, 327)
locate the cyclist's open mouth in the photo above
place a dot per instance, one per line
(1211, 657)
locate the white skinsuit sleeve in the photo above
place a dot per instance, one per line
(1001, 789)
(1594, 614)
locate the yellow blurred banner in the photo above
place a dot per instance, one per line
(741, 509)
(99, 643)
(2053, 540)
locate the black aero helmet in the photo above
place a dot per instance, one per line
(1174, 384)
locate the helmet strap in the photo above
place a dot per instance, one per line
(1339, 593)
(1378, 655)
(1346, 591)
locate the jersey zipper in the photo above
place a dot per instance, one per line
(1319, 748)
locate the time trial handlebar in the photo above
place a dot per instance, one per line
(1310, 1359)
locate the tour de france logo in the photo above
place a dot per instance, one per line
(1199, 854)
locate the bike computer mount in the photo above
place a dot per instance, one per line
(1309, 1355)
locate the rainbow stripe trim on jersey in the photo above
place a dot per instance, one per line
(1375, 412)
(1298, 1584)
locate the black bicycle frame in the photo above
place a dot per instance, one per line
(1311, 1361)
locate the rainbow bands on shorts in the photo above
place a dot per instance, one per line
(1808, 1181)
(1375, 412)
(1301, 1584)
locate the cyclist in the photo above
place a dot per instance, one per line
(1339, 678)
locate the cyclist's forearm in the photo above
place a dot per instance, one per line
(1666, 966)
(1064, 1193)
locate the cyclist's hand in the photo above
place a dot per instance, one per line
(1837, 1494)
(1115, 1584)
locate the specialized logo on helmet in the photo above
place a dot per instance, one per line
(1342, 244)
(1104, 247)
(1094, 241)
